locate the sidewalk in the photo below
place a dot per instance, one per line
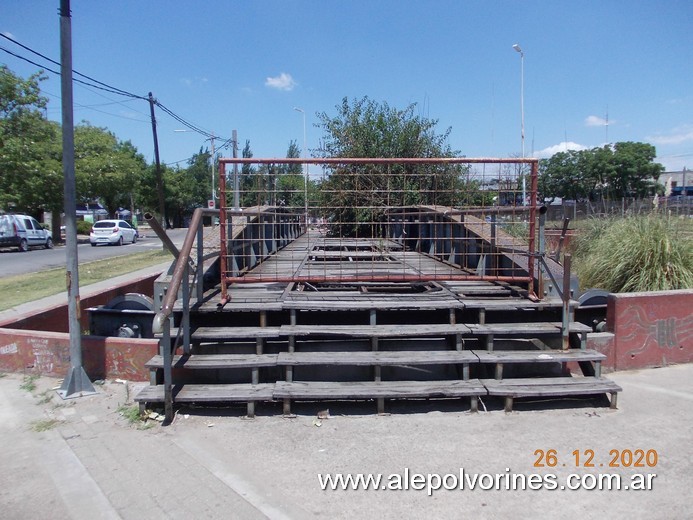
(212, 463)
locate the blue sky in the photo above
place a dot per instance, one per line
(245, 65)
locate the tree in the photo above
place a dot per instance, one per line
(30, 150)
(624, 169)
(355, 197)
(106, 169)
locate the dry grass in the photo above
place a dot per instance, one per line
(637, 253)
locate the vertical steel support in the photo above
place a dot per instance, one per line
(532, 226)
(185, 322)
(168, 372)
(200, 271)
(565, 325)
(542, 249)
(223, 250)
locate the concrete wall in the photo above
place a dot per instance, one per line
(38, 341)
(48, 353)
(651, 329)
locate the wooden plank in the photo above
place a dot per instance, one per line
(384, 358)
(216, 361)
(223, 333)
(374, 331)
(537, 356)
(209, 393)
(380, 389)
(549, 386)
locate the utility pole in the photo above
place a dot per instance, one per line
(76, 383)
(157, 162)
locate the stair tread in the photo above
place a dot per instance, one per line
(549, 386)
(537, 356)
(378, 389)
(209, 393)
(216, 361)
(429, 357)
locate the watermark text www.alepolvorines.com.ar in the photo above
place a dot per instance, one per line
(464, 481)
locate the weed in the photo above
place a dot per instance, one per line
(131, 413)
(45, 397)
(44, 425)
(29, 383)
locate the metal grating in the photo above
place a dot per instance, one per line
(339, 220)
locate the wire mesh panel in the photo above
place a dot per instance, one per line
(339, 220)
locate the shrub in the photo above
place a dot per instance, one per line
(83, 227)
(636, 253)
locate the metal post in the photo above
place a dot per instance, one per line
(77, 383)
(236, 180)
(566, 302)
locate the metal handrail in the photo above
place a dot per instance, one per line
(182, 262)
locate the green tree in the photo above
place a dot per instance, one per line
(106, 169)
(355, 197)
(624, 169)
(30, 151)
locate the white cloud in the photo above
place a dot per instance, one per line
(560, 147)
(8, 34)
(678, 135)
(597, 121)
(282, 82)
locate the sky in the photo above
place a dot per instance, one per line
(595, 72)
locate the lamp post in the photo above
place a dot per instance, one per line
(522, 117)
(305, 178)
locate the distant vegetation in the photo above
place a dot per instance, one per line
(636, 253)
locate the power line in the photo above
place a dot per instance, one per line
(107, 88)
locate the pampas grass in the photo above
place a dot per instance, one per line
(637, 253)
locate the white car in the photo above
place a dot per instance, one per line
(113, 232)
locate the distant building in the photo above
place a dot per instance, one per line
(681, 182)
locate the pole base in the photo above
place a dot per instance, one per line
(76, 384)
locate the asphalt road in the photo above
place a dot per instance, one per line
(13, 262)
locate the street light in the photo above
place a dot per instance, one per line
(214, 195)
(305, 178)
(522, 116)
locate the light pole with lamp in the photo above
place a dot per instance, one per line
(305, 178)
(522, 117)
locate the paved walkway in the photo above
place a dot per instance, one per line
(215, 464)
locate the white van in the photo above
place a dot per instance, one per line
(23, 232)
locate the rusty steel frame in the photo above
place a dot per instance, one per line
(531, 207)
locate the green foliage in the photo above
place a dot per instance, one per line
(43, 425)
(83, 227)
(30, 169)
(636, 253)
(625, 169)
(356, 196)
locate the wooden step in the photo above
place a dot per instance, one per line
(223, 333)
(377, 389)
(537, 356)
(550, 386)
(383, 358)
(374, 331)
(209, 393)
(216, 361)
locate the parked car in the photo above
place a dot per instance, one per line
(23, 232)
(114, 232)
